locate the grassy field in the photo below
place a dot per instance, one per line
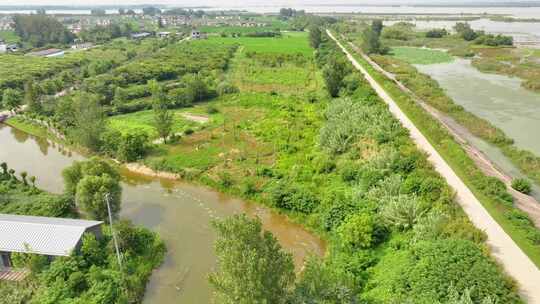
(235, 29)
(416, 55)
(289, 43)
(9, 36)
(144, 121)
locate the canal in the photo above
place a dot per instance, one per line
(180, 212)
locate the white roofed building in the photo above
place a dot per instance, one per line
(42, 235)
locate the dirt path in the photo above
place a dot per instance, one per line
(515, 262)
(524, 202)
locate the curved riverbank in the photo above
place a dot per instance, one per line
(180, 212)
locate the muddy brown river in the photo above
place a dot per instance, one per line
(180, 212)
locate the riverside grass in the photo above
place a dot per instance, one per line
(458, 160)
(414, 55)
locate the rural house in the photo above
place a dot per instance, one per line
(47, 236)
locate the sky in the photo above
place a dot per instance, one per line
(291, 3)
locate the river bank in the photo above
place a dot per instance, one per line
(178, 211)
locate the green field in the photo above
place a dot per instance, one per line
(290, 43)
(415, 55)
(9, 36)
(144, 121)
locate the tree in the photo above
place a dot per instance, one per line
(152, 11)
(90, 121)
(253, 268)
(163, 118)
(322, 283)
(315, 37)
(31, 98)
(91, 196)
(24, 174)
(120, 96)
(377, 27)
(334, 72)
(357, 231)
(4, 167)
(90, 182)
(11, 99)
(40, 30)
(371, 43)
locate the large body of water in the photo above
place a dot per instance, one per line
(180, 212)
(269, 7)
(499, 99)
(524, 33)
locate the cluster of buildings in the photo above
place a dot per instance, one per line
(6, 23)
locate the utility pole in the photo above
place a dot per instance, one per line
(118, 256)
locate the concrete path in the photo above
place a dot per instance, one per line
(515, 262)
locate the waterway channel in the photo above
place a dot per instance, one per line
(180, 212)
(498, 99)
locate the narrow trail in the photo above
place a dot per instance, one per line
(515, 262)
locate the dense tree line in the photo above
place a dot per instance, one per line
(40, 30)
(465, 31)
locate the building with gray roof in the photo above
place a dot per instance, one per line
(42, 235)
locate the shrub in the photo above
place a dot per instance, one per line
(522, 185)
(225, 88)
(436, 33)
(357, 230)
(293, 197)
(402, 212)
(225, 179)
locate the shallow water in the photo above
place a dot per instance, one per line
(499, 99)
(180, 212)
(527, 33)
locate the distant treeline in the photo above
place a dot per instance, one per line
(40, 30)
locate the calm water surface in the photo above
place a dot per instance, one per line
(179, 212)
(499, 99)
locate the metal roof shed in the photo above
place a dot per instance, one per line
(43, 235)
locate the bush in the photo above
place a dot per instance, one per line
(436, 33)
(293, 197)
(522, 185)
(225, 88)
(357, 231)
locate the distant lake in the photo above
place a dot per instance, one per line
(523, 32)
(518, 12)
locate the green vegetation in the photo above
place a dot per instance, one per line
(9, 36)
(92, 274)
(253, 267)
(144, 121)
(522, 185)
(490, 191)
(298, 130)
(429, 90)
(40, 30)
(346, 168)
(289, 43)
(420, 55)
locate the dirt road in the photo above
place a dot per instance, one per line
(503, 248)
(524, 202)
